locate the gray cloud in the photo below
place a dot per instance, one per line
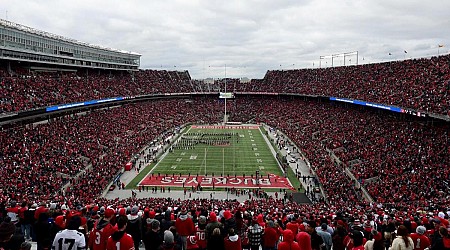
(249, 36)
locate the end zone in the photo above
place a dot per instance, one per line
(274, 181)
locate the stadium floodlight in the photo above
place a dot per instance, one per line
(332, 56)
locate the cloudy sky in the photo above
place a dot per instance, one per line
(248, 36)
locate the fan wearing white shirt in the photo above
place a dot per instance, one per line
(70, 238)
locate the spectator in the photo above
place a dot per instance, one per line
(255, 234)
(338, 238)
(213, 224)
(304, 240)
(103, 229)
(10, 238)
(288, 242)
(200, 232)
(232, 241)
(270, 236)
(316, 240)
(169, 242)
(419, 239)
(152, 239)
(443, 242)
(120, 237)
(185, 226)
(376, 242)
(70, 237)
(216, 240)
(326, 236)
(402, 241)
(43, 230)
(134, 226)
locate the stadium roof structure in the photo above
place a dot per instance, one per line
(58, 37)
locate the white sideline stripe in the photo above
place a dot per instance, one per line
(162, 157)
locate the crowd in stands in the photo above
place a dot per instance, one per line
(407, 159)
(165, 223)
(403, 155)
(417, 84)
(402, 162)
(40, 89)
(39, 158)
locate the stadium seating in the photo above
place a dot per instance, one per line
(418, 84)
(41, 158)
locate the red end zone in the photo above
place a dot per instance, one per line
(222, 127)
(274, 181)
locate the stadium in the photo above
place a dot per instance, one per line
(86, 133)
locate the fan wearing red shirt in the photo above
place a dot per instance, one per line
(185, 226)
(200, 232)
(420, 240)
(120, 240)
(271, 236)
(102, 230)
(232, 241)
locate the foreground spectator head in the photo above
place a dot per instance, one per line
(202, 220)
(168, 237)
(304, 240)
(7, 229)
(74, 223)
(421, 230)
(212, 216)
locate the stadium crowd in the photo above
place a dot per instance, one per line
(50, 167)
(39, 159)
(401, 155)
(165, 223)
(417, 84)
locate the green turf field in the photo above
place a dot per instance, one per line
(222, 151)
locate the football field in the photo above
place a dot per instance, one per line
(222, 155)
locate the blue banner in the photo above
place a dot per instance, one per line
(80, 104)
(369, 104)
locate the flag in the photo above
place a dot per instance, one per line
(440, 45)
(406, 51)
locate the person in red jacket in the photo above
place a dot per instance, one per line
(271, 236)
(191, 242)
(420, 240)
(99, 235)
(185, 227)
(288, 242)
(304, 240)
(120, 240)
(293, 226)
(201, 233)
(232, 241)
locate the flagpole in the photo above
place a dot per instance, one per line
(223, 162)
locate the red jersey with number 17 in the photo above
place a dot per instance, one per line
(120, 241)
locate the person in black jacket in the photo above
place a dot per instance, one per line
(134, 227)
(153, 238)
(443, 241)
(43, 231)
(28, 221)
(316, 241)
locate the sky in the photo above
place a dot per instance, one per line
(245, 38)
